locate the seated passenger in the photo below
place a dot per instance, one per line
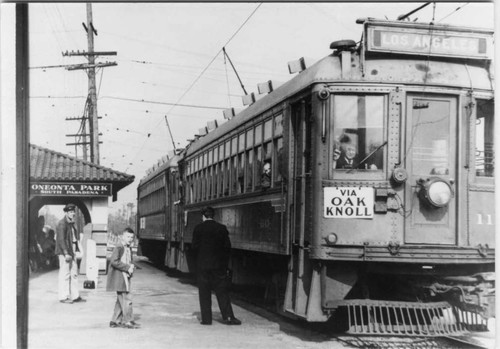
(265, 180)
(374, 160)
(349, 155)
(48, 246)
(335, 154)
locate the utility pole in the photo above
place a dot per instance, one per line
(91, 104)
(94, 128)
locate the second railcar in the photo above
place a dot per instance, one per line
(158, 212)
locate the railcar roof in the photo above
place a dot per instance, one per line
(326, 69)
(171, 162)
(385, 68)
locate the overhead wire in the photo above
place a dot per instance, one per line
(164, 103)
(176, 67)
(454, 11)
(203, 71)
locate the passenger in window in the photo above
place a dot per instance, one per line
(349, 154)
(281, 166)
(375, 159)
(265, 180)
(241, 181)
(336, 154)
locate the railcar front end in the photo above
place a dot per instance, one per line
(392, 171)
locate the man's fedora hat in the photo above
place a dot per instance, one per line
(69, 207)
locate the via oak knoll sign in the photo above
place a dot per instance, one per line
(70, 189)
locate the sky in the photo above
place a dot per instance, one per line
(171, 53)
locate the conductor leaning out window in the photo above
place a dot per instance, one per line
(212, 249)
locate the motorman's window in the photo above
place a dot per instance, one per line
(358, 133)
(485, 155)
(430, 140)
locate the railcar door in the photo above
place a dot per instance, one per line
(299, 198)
(431, 160)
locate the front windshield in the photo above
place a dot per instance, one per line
(358, 133)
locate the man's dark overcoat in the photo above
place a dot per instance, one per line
(116, 279)
(211, 245)
(64, 239)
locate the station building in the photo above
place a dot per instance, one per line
(59, 179)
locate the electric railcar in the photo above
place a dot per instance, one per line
(363, 186)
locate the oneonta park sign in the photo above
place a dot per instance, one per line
(71, 189)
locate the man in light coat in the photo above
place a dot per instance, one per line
(67, 246)
(120, 273)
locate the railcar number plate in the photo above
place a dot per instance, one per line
(348, 202)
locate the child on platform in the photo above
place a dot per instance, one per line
(119, 277)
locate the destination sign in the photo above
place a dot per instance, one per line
(70, 189)
(348, 202)
(427, 42)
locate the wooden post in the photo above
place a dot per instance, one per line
(22, 174)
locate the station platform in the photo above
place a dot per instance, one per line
(166, 307)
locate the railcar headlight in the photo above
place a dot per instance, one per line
(436, 192)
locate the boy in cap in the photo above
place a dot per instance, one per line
(119, 277)
(67, 244)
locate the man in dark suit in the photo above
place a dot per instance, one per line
(212, 249)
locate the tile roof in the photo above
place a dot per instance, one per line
(49, 165)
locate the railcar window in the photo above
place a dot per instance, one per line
(226, 177)
(258, 165)
(241, 171)
(358, 133)
(228, 149)
(268, 129)
(485, 155)
(221, 152)
(216, 155)
(258, 134)
(234, 144)
(195, 188)
(279, 166)
(249, 170)
(216, 180)
(202, 179)
(429, 141)
(191, 193)
(241, 142)
(221, 179)
(250, 138)
(278, 125)
(234, 175)
(266, 172)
